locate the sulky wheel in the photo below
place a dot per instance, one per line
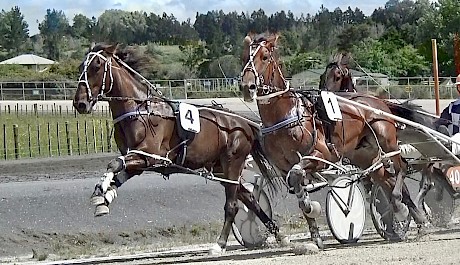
(247, 228)
(346, 210)
(383, 218)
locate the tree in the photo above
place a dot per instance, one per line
(14, 31)
(82, 27)
(118, 26)
(352, 35)
(194, 55)
(440, 22)
(53, 28)
(390, 58)
(302, 62)
(259, 21)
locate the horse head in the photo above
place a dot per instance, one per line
(336, 76)
(95, 75)
(261, 73)
(108, 71)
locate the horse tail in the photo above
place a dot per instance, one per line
(268, 171)
(412, 112)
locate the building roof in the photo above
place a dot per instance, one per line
(28, 59)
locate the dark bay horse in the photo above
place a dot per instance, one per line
(293, 130)
(154, 133)
(337, 76)
(427, 148)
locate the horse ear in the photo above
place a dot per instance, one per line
(277, 37)
(91, 46)
(112, 49)
(247, 40)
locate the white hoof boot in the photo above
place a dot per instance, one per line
(216, 250)
(305, 248)
(101, 210)
(97, 200)
(315, 210)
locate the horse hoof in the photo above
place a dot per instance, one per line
(216, 250)
(315, 210)
(318, 242)
(101, 210)
(284, 241)
(424, 229)
(402, 213)
(305, 249)
(97, 200)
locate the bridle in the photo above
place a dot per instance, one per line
(343, 72)
(268, 90)
(106, 89)
(103, 90)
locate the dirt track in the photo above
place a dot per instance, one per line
(438, 248)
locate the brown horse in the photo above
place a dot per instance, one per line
(337, 76)
(154, 133)
(294, 129)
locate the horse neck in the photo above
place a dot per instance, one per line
(125, 86)
(277, 109)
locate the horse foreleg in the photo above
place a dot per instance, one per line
(230, 209)
(310, 209)
(248, 199)
(119, 170)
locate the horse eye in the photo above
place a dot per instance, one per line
(265, 58)
(337, 78)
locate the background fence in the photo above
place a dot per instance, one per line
(31, 134)
(407, 87)
(53, 128)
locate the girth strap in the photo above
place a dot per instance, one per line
(279, 125)
(130, 114)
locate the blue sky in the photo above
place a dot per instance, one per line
(35, 10)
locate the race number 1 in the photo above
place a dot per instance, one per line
(332, 105)
(189, 117)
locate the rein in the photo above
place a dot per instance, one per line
(104, 91)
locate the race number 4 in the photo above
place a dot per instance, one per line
(189, 117)
(453, 174)
(332, 105)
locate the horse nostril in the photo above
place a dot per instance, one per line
(81, 106)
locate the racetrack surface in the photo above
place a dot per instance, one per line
(44, 209)
(45, 213)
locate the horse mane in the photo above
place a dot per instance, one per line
(340, 58)
(131, 55)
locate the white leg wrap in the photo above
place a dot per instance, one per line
(110, 195)
(294, 167)
(106, 180)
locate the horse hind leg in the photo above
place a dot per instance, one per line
(425, 186)
(231, 209)
(249, 200)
